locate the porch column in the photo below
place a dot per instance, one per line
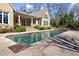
(36, 22)
(42, 22)
(19, 21)
(31, 21)
(2, 18)
(25, 22)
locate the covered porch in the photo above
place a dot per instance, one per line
(26, 20)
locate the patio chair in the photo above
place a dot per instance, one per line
(64, 43)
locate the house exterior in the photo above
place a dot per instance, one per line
(9, 16)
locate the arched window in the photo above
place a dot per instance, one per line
(46, 17)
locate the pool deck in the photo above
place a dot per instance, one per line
(37, 49)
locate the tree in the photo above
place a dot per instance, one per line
(75, 9)
(53, 22)
(60, 9)
(68, 19)
(23, 9)
(36, 6)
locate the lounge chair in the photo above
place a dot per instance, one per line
(65, 43)
(69, 39)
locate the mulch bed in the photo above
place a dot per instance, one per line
(18, 47)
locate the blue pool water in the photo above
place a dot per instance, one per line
(30, 38)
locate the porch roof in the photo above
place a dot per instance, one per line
(24, 15)
(40, 13)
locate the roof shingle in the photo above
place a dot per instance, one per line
(40, 13)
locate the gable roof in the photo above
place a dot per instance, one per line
(40, 13)
(20, 12)
(12, 7)
(24, 13)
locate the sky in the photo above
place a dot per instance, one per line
(19, 5)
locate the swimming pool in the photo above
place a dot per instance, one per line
(30, 38)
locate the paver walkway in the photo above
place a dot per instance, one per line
(4, 44)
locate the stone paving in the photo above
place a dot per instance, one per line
(38, 49)
(4, 43)
(51, 50)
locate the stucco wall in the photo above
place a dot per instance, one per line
(7, 8)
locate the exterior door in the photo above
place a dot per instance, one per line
(28, 23)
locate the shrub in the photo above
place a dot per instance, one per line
(76, 24)
(48, 28)
(19, 28)
(56, 26)
(40, 27)
(16, 26)
(36, 26)
(11, 30)
(69, 26)
(53, 23)
(61, 27)
(3, 30)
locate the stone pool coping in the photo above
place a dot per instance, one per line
(14, 33)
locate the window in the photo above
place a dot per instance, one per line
(39, 22)
(0, 17)
(45, 22)
(34, 21)
(46, 17)
(5, 17)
